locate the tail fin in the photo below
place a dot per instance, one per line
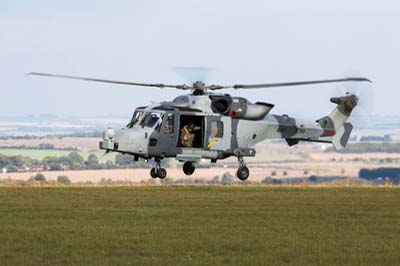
(335, 125)
(342, 136)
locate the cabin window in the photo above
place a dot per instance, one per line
(169, 124)
(217, 129)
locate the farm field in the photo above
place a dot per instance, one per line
(199, 226)
(258, 172)
(40, 154)
(275, 160)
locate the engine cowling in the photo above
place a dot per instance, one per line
(240, 108)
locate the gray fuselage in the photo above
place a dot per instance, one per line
(155, 131)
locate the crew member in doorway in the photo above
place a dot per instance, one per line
(187, 135)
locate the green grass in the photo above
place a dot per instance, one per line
(40, 154)
(199, 226)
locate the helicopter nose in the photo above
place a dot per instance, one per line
(110, 140)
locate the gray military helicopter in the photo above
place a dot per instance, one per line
(208, 125)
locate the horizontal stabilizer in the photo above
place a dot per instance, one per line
(292, 142)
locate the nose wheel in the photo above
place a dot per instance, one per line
(158, 171)
(242, 172)
(188, 168)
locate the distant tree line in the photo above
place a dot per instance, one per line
(42, 146)
(381, 174)
(376, 138)
(386, 147)
(89, 134)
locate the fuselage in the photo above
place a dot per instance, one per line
(156, 131)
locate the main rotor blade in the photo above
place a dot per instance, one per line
(193, 74)
(298, 83)
(158, 85)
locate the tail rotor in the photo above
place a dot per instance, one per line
(364, 94)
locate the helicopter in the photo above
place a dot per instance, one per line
(207, 125)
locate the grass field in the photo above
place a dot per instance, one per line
(199, 226)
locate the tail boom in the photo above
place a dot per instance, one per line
(335, 125)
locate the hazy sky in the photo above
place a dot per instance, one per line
(243, 41)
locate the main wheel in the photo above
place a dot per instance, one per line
(188, 168)
(153, 173)
(243, 173)
(162, 173)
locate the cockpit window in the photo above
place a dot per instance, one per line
(135, 119)
(152, 119)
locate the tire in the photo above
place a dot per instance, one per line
(243, 173)
(162, 173)
(188, 168)
(153, 173)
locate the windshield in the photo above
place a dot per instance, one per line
(135, 119)
(151, 119)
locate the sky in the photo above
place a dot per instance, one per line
(254, 41)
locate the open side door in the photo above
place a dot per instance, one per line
(218, 133)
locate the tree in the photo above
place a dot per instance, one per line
(227, 179)
(11, 168)
(313, 178)
(105, 181)
(4, 161)
(276, 181)
(76, 161)
(46, 146)
(54, 167)
(216, 180)
(63, 180)
(267, 180)
(39, 177)
(109, 164)
(124, 160)
(19, 160)
(92, 162)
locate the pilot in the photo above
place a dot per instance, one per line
(187, 135)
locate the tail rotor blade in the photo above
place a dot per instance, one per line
(364, 109)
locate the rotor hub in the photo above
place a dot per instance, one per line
(199, 85)
(199, 88)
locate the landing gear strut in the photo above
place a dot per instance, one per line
(242, 172)
(158, 171)
(188, 168)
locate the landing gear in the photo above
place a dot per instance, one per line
(162, 173)
(242, 172)
(153, 173)
(158, 171)
(188, 168)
